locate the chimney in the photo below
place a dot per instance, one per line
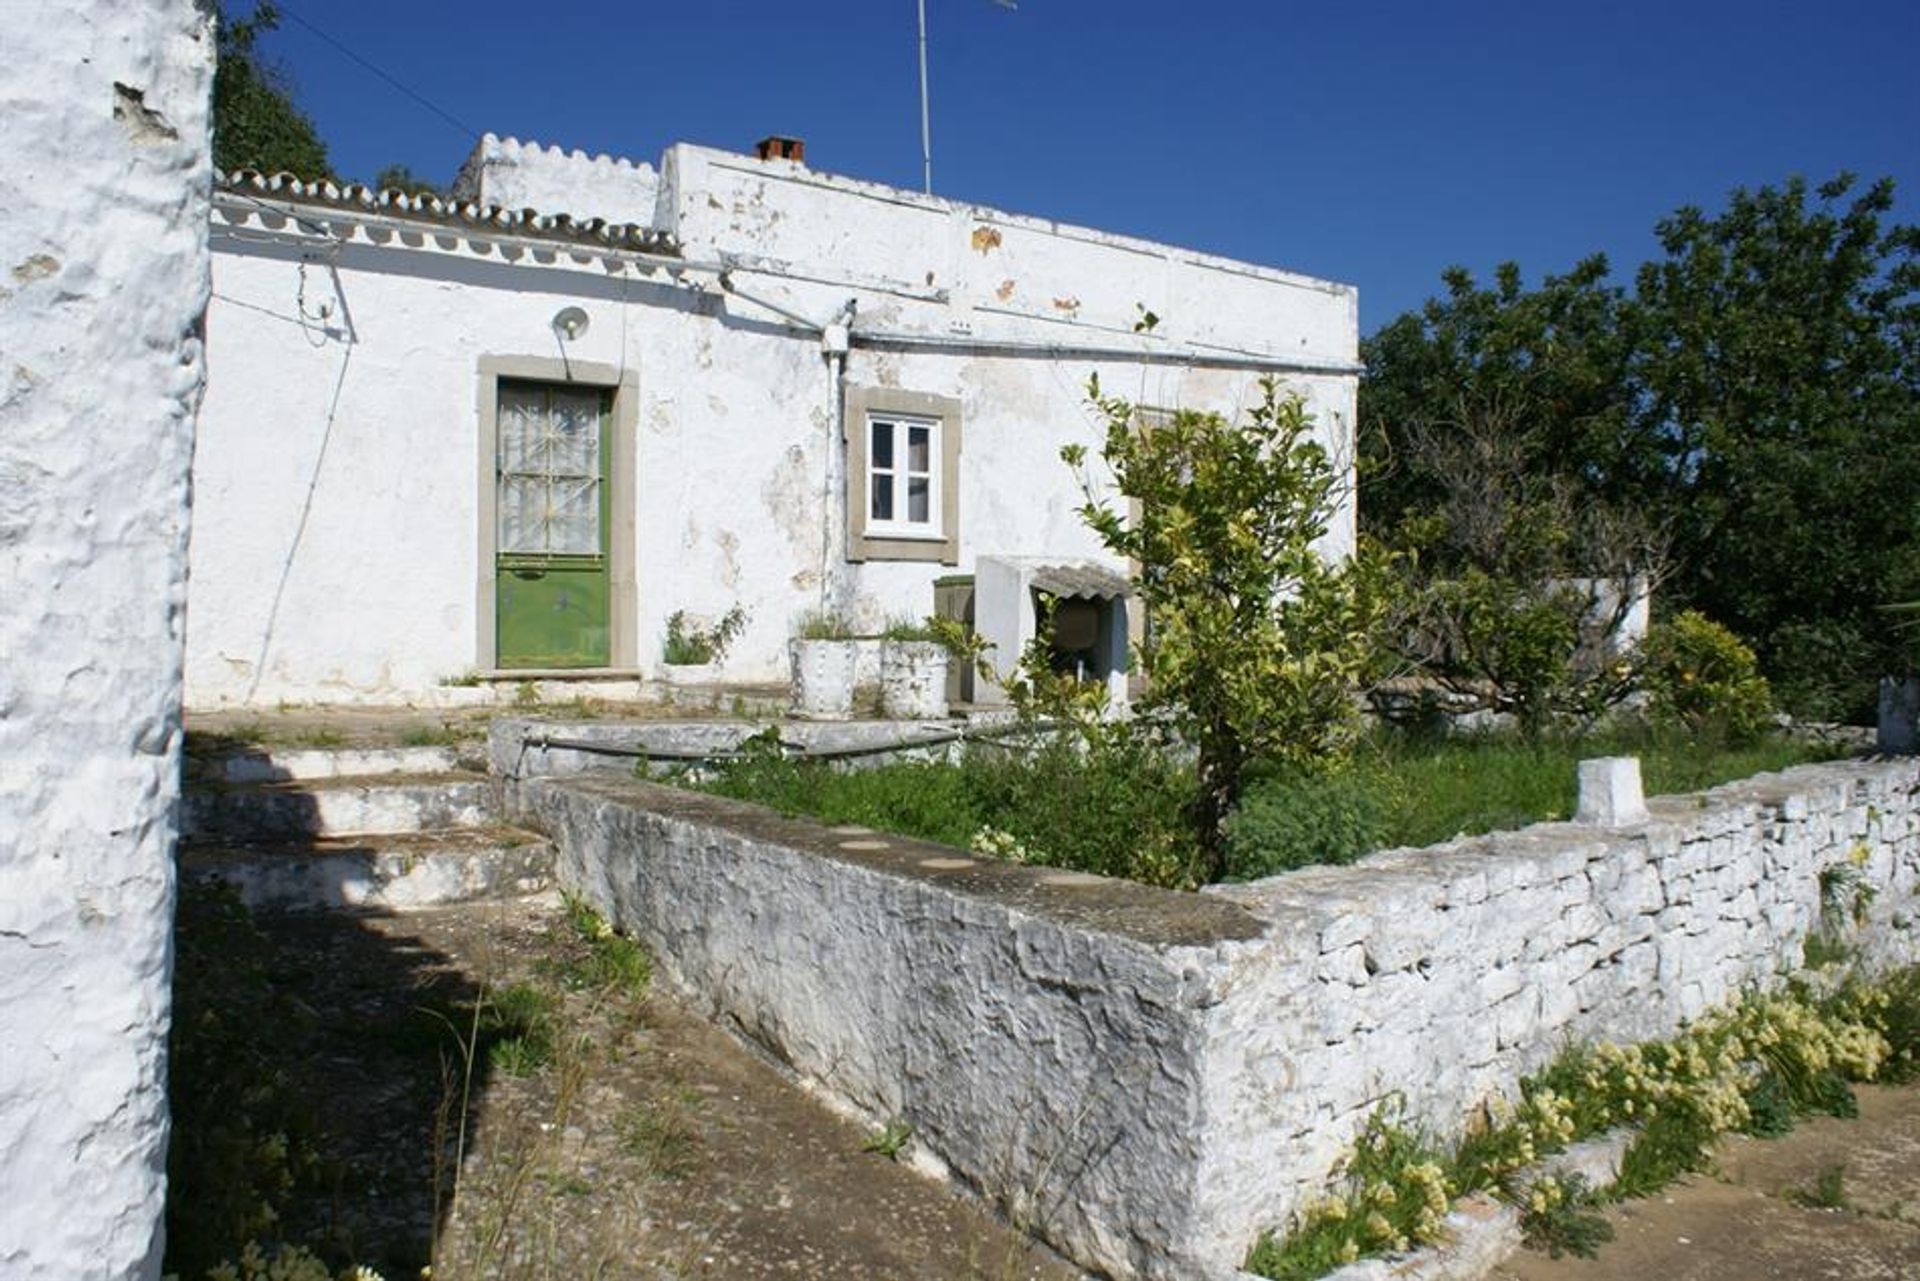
(775, 147)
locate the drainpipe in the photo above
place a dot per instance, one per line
(835, 338)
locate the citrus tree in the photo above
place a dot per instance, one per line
(1258, 640)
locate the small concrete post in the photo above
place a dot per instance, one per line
(1610, 792)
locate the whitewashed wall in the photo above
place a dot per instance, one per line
(336, 550)
(103, 277)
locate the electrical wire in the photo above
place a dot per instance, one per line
(434, 107)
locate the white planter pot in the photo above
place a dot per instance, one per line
(1899, 714)
(913, 680)
(822, 678)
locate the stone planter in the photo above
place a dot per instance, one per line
(913, 680)
(1899, 714)
(822, 678)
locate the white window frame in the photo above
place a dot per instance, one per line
(900, 478)
(935, 540)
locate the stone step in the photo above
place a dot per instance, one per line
(350, 806)
(283, 764)
(392, 873)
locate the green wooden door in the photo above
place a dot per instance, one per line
(551, 581)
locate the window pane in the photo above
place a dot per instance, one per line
(883, 445)
(574, 434)
(918, 455)
(522, 504)
(522, 426)
(917, 501)
(881, 507)
(573, 525)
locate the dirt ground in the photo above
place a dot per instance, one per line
(649, 1145)
(1833, 1199)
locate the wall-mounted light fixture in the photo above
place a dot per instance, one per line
(570, 322)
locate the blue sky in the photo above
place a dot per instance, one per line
(1374, 143)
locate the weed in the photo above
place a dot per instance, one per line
(517, 1024)
(890, 1140)
(613, 963)
(317, 737)
(445, 734)
(658, 1137)
(1394, 1196)
(690, 645)
(1821, 950)
(1845, 895)
(823, 624)
(1828, 1191)
(1561, 1216)
(526, 695)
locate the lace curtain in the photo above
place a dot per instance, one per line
(549, 471)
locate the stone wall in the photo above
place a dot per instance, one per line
(103, 280)
(1152, 1078)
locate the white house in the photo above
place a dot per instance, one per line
(459, 442)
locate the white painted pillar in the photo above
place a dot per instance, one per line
(103, 282)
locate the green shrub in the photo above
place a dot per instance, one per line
(1699, 675)
(1106, 798)
(688, 645)
(1296, 819)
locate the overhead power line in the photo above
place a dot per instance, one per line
(394, 81)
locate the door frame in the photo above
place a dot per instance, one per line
(621, 432)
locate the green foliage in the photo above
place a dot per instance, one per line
(517, 1029)
(286, 1263)
(1393, 1196)
(1112, 798)
(1752, 1066)
(1110, 803)
(1828, 1191)
(823, 624)
(1107, 798)
(890, 1140)
(1258, 642)
(1699, 676)
(613, 963)
(689, 645)
(1296, 819)
(401, 178)
(1745, 418)
(1560, 1216)
(243, 1137)
(255, 123)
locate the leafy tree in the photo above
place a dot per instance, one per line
(255, 123)
(1493, 426)
(401, 178)
(1258, 642)
(1779, 361)
(1744, 424)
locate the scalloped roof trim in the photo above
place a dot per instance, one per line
(508, 145)
(448, 212)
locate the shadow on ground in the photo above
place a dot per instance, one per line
(321, 1099)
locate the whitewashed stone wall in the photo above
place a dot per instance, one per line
(103, 280)
(1153, 1077)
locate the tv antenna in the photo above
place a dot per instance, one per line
(926, 122)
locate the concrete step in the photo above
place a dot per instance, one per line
(282, 764)
(352, 806)
(392, 873)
